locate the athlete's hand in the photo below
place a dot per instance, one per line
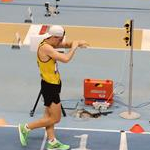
(83, 44)
(75, 45)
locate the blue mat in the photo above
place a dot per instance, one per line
(9, 139)
(78, 139)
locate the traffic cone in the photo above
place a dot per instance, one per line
(137, 129)
(6, 1)
(2, 122)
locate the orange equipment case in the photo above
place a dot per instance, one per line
(98, 90)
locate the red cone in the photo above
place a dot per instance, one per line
(6, 0)
(137, 129)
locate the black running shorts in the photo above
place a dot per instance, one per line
(50, 92)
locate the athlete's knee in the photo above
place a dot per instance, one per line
(53, 120)
(57, 120)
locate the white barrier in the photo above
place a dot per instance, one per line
(35, 41)
(145, 43)
(30, 15)
(17, 41)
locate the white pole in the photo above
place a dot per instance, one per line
(130, 114)
(131, 68)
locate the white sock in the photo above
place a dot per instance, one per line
(52, 140)
(27, 128)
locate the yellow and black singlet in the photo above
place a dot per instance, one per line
(49, 69)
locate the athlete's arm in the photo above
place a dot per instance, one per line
(48, 50)
(81, 43)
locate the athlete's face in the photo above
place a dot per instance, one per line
(58, 39)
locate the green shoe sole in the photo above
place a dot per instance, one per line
(22, 140)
